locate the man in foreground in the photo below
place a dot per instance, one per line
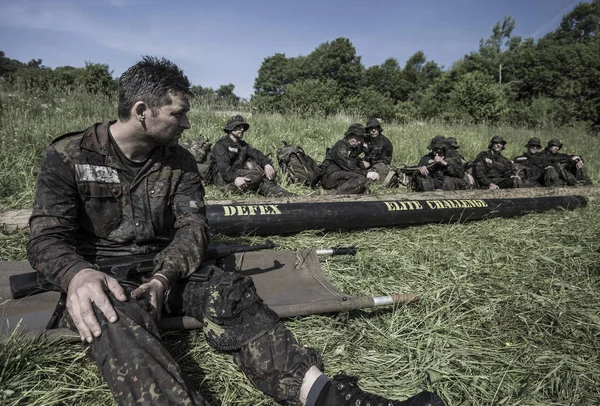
(492, 169)
(344, 170)
(241, 167)
(126, 187)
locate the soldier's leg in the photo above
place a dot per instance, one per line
(452, 183)
(269, 188)
(351, 183)
(133, 361)
(550, 177)
(423, 183)
(382, 169)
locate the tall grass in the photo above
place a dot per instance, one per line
(509, 311)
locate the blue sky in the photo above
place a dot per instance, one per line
(220, 42)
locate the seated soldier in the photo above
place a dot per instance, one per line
(241, 167)
(569, 167)
(493, 170)
(534, 167)
(439, 170)
(451, 149)
(343, 171)
(379, 149)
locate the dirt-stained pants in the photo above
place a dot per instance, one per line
(344, 182)
(139, 369)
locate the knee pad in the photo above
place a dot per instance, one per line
(234, 314)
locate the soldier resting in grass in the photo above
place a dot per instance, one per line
(441, 169)
(570, 168)
(492, 169)
(535, 167)
(345, 170)
(378, 149)
(126, 187)
(239, 166)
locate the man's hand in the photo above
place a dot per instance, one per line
(241, 182)
(86, 289)
(373, 176)
(155, 291)
(578, 161)
(424, 171)
(440, 159)
(269, 172)
(493, 186)
(366, 164)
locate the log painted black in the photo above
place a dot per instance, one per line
(291, 217)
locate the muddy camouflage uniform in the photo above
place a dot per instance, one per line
(535, 169)
(342, 170)
(230, 160)
(379, 150)
(493, 167)
(568, 172)
(440, 177)
(87, 207)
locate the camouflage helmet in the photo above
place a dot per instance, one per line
(534, 142)
(451, 142)
(234, 121)
(554, 142)
(372, 122)
(496, 139)
(356, 130)
(435, 141)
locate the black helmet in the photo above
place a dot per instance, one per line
(372, 122)
(496, 139)
(435, 141)
(451, 142)
(534, 142)
(357, 130)
(234, 121)
(554, 142)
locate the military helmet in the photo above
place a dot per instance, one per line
(534, 142)
(435, 141)
(372, 122)
(496, 139)
(451, 142)
(234, 121)
(554, 142)
(356, 130)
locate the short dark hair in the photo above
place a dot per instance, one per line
(151, 80)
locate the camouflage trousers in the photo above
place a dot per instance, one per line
(431, 183)
(258, 183)
(345, 182)
(507, 183)
(139, 370)
(381, 168)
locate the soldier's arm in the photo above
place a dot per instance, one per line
(455, 166)
(258, 156)
(186, 252)
(221, 158)
(51, 247)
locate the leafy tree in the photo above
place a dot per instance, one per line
(478, 98)
(372, 103)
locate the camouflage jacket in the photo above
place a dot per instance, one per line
(379, 150)
(85, 208)
(535, 164)
(559, 157)
(227, 157)
(455, 167)
(342, 156)
(491, 165)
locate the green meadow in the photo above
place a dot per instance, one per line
(509, 311)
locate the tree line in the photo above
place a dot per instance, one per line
(554, 81)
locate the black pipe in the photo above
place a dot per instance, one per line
(291, 217)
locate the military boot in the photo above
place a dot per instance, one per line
(345, 392)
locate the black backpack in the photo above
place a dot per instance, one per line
(299, 167)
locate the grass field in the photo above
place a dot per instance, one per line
(509, 311)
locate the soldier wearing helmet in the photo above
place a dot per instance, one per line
(239, 166)
(441, 169)
(534, 168)
(493, 170)
(570, 168)
(344, 170)
(379, 149)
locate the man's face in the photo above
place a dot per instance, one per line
(374, 132)
(554, 149)
(166, 126)
(533, 149)
(497, 146)
(238, 132)
(355, 141)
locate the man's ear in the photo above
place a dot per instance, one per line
(140, 109)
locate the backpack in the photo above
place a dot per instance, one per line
(299, 167)
(201, 152)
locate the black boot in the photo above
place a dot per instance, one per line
(345, 392)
